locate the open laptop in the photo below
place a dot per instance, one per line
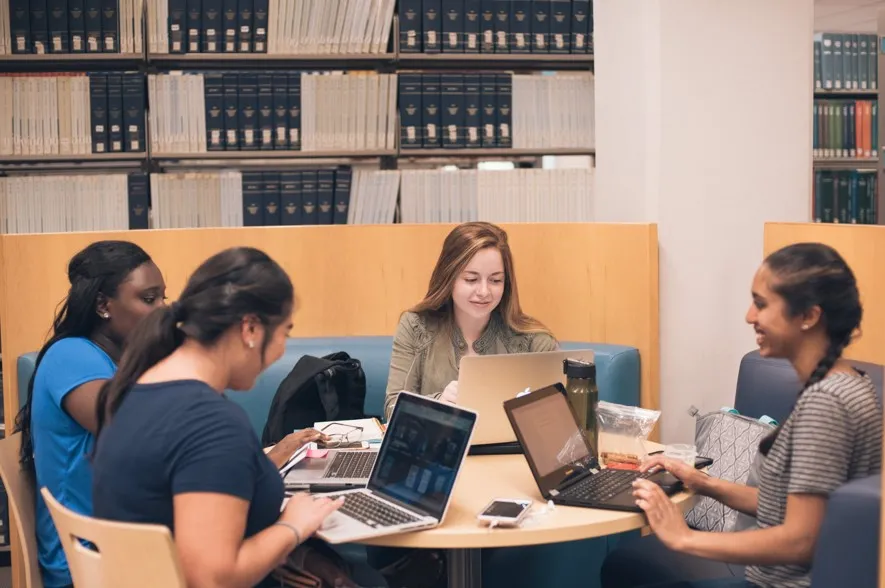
(560, 456)
(339, 469)
(411, 484)
(486, 381)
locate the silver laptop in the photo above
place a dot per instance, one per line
(485, 382)
(339, 469)
(411, 485)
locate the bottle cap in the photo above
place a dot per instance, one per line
(574, 368)
(765, 419)
(729, 409)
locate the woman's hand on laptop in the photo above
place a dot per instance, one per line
(280, 453)
(664, 517)
(450, 394)
(692, 478)
(307, 513)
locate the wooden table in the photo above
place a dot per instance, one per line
(508, 476)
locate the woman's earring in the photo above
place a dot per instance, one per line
(251, 344)
(106, 315)
(804, 327)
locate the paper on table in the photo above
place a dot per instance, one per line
(294, 460)
(371, 429)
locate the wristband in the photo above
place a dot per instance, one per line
(294, 530)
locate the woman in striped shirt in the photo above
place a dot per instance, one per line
(806, 308)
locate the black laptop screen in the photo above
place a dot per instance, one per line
(422, 451)
(550, 436)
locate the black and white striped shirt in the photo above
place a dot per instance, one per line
(833, 435)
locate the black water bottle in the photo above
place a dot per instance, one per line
(583, 395)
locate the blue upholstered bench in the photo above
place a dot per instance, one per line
(571, 564)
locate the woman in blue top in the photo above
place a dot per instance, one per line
(173, 450)
(114, 284)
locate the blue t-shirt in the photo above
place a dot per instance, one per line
(177, 437)
(61, 446)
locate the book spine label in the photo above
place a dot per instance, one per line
(59, 39)
(309, 211)
(259, 26)
(253, 199)
(487, 26)
(521, 27)
(20, 26)
(290, 198)
(295, 111)
(280, 112)
(452, 99)
(540, 26)
(39, 26)
(580, 25)
(505, 113)
(110, 26)
(432, 117)
(325, 197)
(502, 25)
(230, 25)
(472, 18)
(194, 25)
(489, 97)
(838, 63)
(472, 111)
(343, 181)
(244, 25)
(432, 26)
(231, 112)
(411, 110)
(265, 111)
(411, 19)
(177, 26)
(826, 61)
(214, 88)
(249, 139)
(115, 114)
(136, 112)
(98, 105)
(453, 26)
(560, 26)
(271, 198)
(77, 26)
(212, 26)
(139, 200)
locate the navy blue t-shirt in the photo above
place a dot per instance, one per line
(176, 437)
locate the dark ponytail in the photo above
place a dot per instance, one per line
(226, 288)
(96, 271)
(809, 275)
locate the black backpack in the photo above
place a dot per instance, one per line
(326, 388)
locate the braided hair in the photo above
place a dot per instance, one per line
(98, 270)
(809, 275)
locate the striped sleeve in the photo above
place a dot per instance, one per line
(822, 444)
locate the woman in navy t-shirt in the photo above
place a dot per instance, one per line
(114, 285)
(173, 450)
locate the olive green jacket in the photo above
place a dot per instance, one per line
(428, 350)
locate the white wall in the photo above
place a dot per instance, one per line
(703, 126)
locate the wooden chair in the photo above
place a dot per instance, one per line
(21, 497)
(125, 554)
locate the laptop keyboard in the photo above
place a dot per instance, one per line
(373, 512)
(352, 464)
(603, 486)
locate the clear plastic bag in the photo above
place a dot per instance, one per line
(623, 431)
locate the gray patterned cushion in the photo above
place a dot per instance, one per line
(733, 442)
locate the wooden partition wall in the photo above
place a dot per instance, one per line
(587, 282)
(863, 247)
